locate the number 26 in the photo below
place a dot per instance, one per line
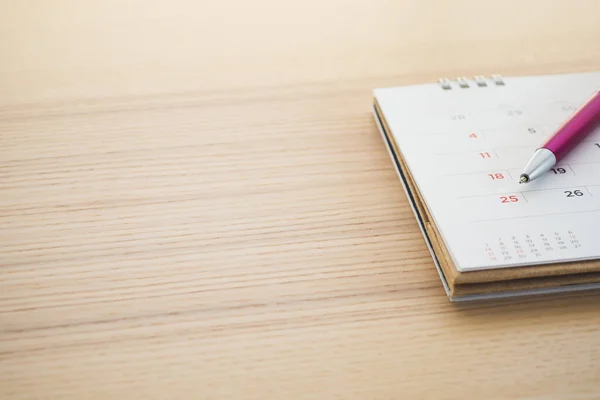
(573, 193)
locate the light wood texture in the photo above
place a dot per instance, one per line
(195, 203)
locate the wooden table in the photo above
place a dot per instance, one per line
(195, 203)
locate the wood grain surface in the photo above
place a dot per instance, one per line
(195, 203)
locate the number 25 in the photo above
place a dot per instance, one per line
(509, 199)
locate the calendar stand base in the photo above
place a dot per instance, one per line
(490, 283)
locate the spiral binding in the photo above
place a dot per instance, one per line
(464, 83)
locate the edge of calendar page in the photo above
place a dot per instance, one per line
(411, 199)
(470, 297)
(450, 251)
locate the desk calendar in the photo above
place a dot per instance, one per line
(459, 147)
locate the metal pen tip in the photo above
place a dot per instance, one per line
(524, 178)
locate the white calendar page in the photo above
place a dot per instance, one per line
(466, 147)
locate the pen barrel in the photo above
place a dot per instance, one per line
(575, 129)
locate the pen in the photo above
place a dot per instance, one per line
(573, 131)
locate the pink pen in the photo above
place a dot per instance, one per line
(581, 123)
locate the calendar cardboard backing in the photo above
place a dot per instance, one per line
(490, 282)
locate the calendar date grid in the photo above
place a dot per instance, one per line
(527, 246)
(569, 191)
(499, 153)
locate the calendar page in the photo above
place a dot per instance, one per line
(466, 144)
